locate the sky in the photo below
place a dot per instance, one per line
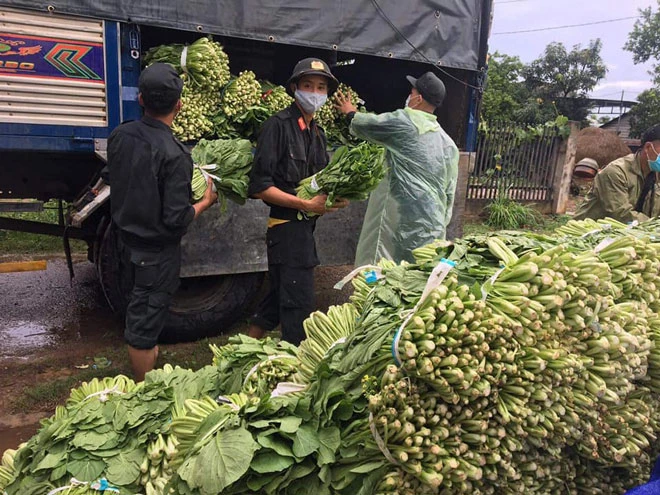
(517, 15)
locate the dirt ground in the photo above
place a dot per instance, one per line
(56, 333)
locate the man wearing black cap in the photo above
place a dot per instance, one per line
(291, 147)
(413, 204)
(150, 173)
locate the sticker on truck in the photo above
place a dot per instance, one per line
(51, 58)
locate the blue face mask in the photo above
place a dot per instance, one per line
(309, 101)
(655, 164)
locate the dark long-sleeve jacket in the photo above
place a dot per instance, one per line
(149, 172)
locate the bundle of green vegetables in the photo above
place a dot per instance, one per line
(228, 163)
(204, 63)
(194, 119)
(351, 174)
(334, 123)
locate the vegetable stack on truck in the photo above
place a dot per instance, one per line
(68, 77)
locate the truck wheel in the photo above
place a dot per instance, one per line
(202, 307)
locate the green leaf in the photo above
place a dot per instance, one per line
(220, 462)
(329, 439)
(276, 443)
(306, 441)
(290, 424)
(86, 469)
(51, 460)
(271, 462)
(124, 469)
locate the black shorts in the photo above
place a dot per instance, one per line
(153, 277)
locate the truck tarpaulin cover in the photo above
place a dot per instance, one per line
(446, 32)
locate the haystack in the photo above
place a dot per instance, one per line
(600, 145)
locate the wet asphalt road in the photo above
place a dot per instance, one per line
(45, 309)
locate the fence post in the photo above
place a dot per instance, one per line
(561, 184)
(455, 227)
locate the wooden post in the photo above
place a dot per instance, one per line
(561, 184)
(455, 227)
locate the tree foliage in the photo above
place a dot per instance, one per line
(504, 93)
(644, 40)
(646, 113)
(557, 83)
(566, 77)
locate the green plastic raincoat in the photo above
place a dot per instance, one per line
(413, 204)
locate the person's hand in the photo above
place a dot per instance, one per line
(343, 103)
(317, 204)
(210, 196)
(340, 203)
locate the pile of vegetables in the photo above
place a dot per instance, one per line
(497, 364)
(228, 163)
(351, 174)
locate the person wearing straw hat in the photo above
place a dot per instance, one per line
(625, 189)
(291, 147)
(150, 172)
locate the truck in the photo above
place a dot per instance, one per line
(68, 76)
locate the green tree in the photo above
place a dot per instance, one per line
(505, 91)
(644, 40)
(646, 113)
(562, 79)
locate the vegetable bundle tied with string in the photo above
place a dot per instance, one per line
(353, 172)
(228, 163)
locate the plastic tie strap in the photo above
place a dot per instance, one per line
(592, 232)
(204, 169)
(380, 442)
(438, 274)
(256, 367)
(603, 244)
(103, 394)
(314, 185)
(73, 483)
(286, 388)
(371, 271)
(184, 58)
(489, 283)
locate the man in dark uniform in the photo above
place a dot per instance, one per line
(150, 173)
(291, 147)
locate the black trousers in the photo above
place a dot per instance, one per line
(291, 261)
(151, 278)
(289, 301)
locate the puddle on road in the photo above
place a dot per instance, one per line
(23, 335)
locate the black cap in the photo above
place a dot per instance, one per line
(430, 87)
(312, 67)
(160, 77)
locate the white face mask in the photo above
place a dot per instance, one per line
(309, 101)
(408, 101)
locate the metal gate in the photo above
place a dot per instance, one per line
(516, 161)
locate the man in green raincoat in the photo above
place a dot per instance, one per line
(625, 189)
(413, 204)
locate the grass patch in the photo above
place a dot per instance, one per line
(546, 225)
(13, 242)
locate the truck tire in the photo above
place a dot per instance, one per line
(202, 307)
